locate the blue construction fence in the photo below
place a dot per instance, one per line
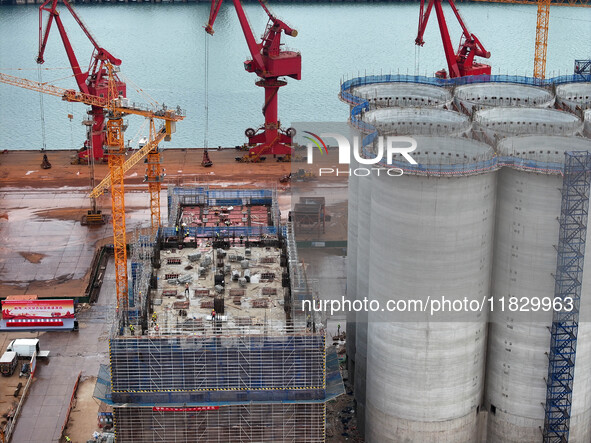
(400, 78)
(478, 167)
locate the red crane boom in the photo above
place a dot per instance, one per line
(460, 63)
(269, 62)
(94, 81)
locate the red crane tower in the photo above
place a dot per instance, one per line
(94, 81)
(269, 62)
(460, 63)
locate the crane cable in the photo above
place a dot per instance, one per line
(42, 109)
(206, 98)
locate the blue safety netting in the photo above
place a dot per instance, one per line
(399, 78)
(361, 105)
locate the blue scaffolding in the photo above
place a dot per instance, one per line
(569, 275)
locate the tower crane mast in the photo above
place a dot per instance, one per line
(94, 81)
(116, 107)
(542, 24)
(460, 63)
(269, 62)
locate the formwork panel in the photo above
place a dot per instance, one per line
(229, 423)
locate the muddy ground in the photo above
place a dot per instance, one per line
(19, 169)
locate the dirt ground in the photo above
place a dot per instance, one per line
(341, 424)
(8, 402)
(8, 385)
(32, 257)
(47, 288)
(83, 421)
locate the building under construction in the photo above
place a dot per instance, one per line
(216, 347)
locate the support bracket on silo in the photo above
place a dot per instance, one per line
(569, 276)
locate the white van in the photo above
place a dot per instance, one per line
(26, 347)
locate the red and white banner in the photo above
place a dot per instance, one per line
(32, 309)
(197, 408)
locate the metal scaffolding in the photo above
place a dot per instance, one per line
(141, 253)
(569, 277)
(278, 366)
(300, 287)
(278, 422)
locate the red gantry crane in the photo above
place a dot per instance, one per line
(460, 63)
(269, 62)
(93, 82)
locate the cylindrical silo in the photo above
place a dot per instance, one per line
(431, 236)
(363, 252)
(497, 123)
(526, 235)
(396, 94)
(486, 95)
(571, 96)
(419, 121)
(352, 210)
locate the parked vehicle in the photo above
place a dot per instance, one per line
(8, 363)
(26, 347)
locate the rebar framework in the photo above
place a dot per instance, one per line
(569, 276)
(179, 196)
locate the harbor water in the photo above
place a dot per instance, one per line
(162, 47)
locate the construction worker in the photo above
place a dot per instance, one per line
(131, 329)
(213, 315)
(187, 289)
(154, 317)
(68, 438)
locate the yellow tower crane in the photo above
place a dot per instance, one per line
(542, 27)
(117, 107)
(153, 170)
